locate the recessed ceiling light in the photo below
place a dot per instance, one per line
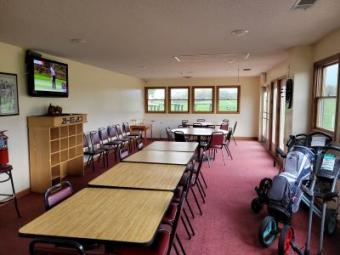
(246, 69)
(177, 59)
(77, 40)
(239, 32)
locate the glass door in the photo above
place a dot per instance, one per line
(265, 115)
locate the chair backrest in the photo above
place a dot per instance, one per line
(228, 137)
(54, 246)
(112, 132)
(225, 120)
(224, 126)
(126, 128)
(95, 140)
(200, 120)
(119, 131)
(103, 135)
(179, 136)
(216, 139)
(197, 124)
(185, 123)
(169, 134)
(86, 143)
(234, 128)
(57, 193)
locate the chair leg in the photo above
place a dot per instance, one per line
(223, 157)
(180, 244)
(189, 222)
(196, 200)
(234, 139)
(186, 228)
(14, 195)
(205, 184)
(190, 208)
(200, 192)
(175, 247)
(201, 187)
(229, 152)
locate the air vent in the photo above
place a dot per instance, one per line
(303, 4)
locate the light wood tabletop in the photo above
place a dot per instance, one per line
(141, 176)
(104, 215)
(161, 157)
(172, 146)
(199, 131)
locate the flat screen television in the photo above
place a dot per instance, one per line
(47, 78)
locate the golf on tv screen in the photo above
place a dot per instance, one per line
(47, 78)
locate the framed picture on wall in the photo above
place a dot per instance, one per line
(9, 104)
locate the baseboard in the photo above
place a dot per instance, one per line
(247, 138)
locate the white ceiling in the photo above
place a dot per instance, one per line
(140, 37)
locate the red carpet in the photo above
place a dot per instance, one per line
(227, 226)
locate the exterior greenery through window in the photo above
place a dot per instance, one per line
(228, 99)
(203, 99)
(155, 99)
(326, 94)
(179, 100)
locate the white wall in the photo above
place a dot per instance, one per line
(249, 107)
(107, 97)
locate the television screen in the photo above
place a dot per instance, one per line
(47, 78)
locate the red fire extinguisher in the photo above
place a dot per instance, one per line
(3, 148)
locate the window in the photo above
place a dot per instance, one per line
(179, 99)
(155, 99)
(326, 94)
(228, 98)
(203, 99)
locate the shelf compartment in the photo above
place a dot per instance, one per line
(64, 155)
(79, 150)
(64, 131)
(64, 143)
(72, 141)
(72, 130)
(55, 146)
(54, 132)
(55, 158)
(79, 140)
(79, 129)
(72, 152)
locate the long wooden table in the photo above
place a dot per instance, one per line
(172, 146)
(160, 157)
(140, 176)
(104, 215)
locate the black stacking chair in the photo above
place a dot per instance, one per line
(179, 136)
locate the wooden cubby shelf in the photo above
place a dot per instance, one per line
(56, 149)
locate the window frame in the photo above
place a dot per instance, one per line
(146, 99)
(193, 99)
(188, 100)
(238, 87)
(317, 92)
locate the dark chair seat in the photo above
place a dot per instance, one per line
(5, 168)
(158, 247)
(170, 214)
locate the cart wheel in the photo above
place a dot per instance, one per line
(266, 183)
(285, 240)
(256, 205)
(330, 222)
(268, 231)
